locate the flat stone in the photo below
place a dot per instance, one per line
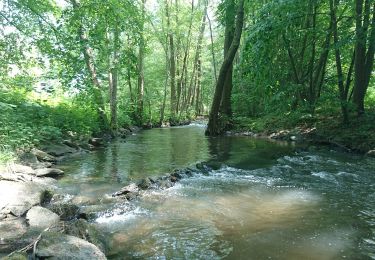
(12, 229)
(19, 197)
(23, 169)
(49, 172)
(371, 153)
(43, 156)
(41, 217)
(55, 245)
(131, 188)
(58, 149)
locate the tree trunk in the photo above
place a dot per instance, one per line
(340, 75)
(214, 127)
(113, 81)
(364, 59)
(172, 63)
(141, 79)
(226, 107)
(90, 64)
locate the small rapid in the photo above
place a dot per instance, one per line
(259, 200)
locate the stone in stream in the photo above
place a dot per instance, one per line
(11, 229)
(83, 229)
(58, 149)
(96, 141)
(371, 153)
(41, 217)
(49, 172)
(54, 245)
(144, 184)
(18, 168)
(16, 256)
(43, 156)
(131, 188)
(18, 197)
(66, 211)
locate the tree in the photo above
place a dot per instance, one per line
(214, 126)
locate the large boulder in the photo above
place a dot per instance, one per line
(18, 197)
(43, 156)
(41, 217)
(49, 172)
(58, 149)
(66, 211)
(55, 245)
(11, 229)
(83, 229)
(23, 169)
(130, 192)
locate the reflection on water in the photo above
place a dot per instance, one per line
(265, 201)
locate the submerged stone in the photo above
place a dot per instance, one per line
(55, 245)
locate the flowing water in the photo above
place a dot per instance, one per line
(267, 200)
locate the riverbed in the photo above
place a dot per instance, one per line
(261, 200)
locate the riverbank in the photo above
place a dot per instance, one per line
(35, 218)
(356, 136)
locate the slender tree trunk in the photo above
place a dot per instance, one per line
(364, 55)
(212, 47)
(172, 63)
(213, 127)
(340, 75)
(162, 110)
(141, 78)
(113, 80)
(196, 59)
(90, 64)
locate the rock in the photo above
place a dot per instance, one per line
(371, 153)
(18, 168)
(49, 172)
(66, 211)
(293, 138)
(58, 149)
(28, 158)
(16, 256)
(41, 217)
(11, 229)
(55, 245)
(165, 184)
(17, 198)
(43, 156)
(82, 229)
(144, 184)
(96, 141)
(131, 188)
(71, 144)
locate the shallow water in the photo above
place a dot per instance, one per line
(267, 200)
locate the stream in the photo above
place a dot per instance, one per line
(265, 200)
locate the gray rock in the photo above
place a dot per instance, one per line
(41, 217)
(144, 184)
(18, 168)
(58, 149)
(28, 158)
(96, 141)
(371, 153)
(66, 211)
(17, 197)
(83, 229)
(11, 229)
(49, 172)
(16, 256)
(43, 156)
(59, 246)
(131, 188)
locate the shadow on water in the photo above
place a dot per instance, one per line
(261, 200)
